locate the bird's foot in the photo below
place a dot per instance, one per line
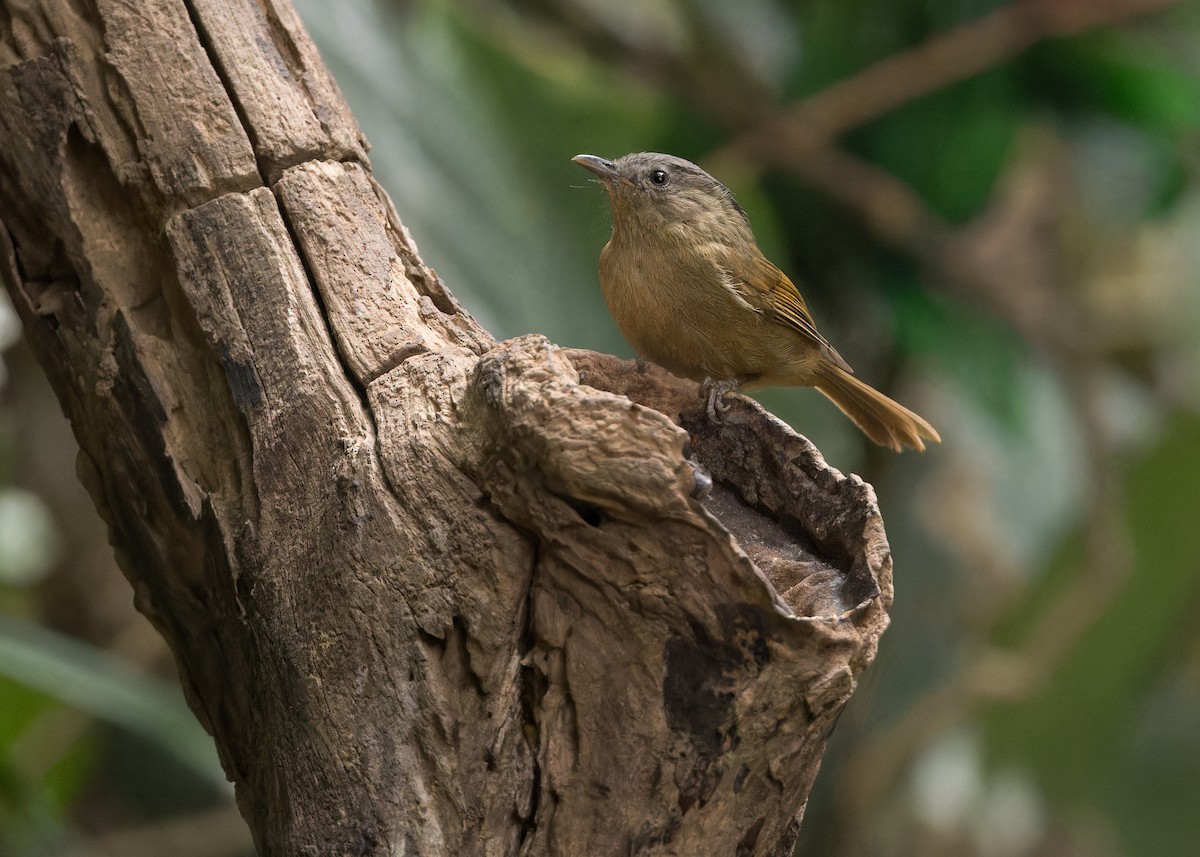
(716, 391)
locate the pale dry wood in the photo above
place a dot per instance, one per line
(198, 146)
(382, 304)
(431, 594)
(280, 86)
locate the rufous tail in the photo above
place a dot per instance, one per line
(886, 422)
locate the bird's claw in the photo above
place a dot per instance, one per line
(716, 394)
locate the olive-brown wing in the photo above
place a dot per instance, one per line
(766, 288)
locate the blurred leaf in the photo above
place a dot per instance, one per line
(28, 823)
(951, 145)
(72, 770)
(29, 812)
(980, 354)
(834, 45)
(1108, 72)
(840, 37)
(1077, 735)
(19, 706)
(85, 678)
(1169, 178)
(22, 708)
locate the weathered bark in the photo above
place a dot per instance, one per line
(432, 594)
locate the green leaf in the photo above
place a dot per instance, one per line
(1108, 72)
(980, 354)
(950, 145)
(82, 676)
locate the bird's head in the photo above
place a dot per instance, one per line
(651, 193)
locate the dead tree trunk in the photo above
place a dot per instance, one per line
(430, 593)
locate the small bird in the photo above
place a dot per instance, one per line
(685, 281)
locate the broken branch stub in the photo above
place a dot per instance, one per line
(682, 704)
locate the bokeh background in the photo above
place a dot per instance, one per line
(994, 209)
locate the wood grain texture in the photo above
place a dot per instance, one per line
(277, 81)
(430, 593)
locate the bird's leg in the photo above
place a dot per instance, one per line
(716, 391)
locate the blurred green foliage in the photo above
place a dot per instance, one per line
(1053, 533)
(1099, 733)
(52, 688)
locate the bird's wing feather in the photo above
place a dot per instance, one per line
(757, 282)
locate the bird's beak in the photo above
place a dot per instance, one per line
(606, 171)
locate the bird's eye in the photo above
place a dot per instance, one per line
(659, 177)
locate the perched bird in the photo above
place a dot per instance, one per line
(685, 281)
